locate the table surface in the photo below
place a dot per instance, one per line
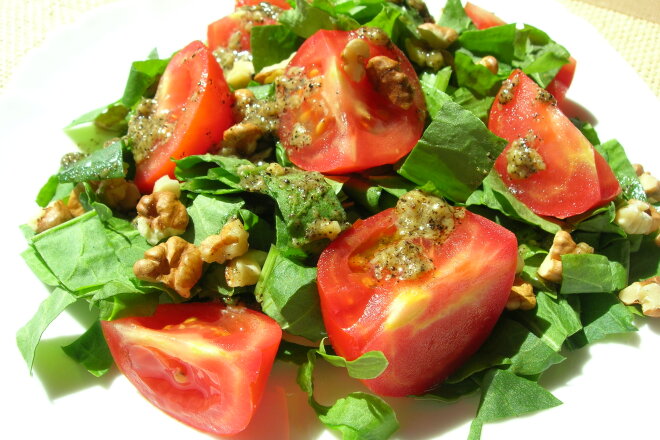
(632, 27)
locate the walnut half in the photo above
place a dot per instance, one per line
(160, 215)
(175, 263)
(563, 244)
(386, 76)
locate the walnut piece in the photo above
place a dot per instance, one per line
(522, 296)
(118, 194)
(241, 139)
(161, 215)
(245, 270)
(354, 56)
(437, 37)
(231, 242)
(165, 183)
(387, 78)
(650, 184)
(175, 263)
(73, 204)
(562, 244)
(646, 293)
(54, 214)
(637, 217)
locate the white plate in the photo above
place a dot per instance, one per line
(609, 390)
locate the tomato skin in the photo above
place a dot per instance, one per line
(204, 364)
(482, 18)
(452, 308)
(562, 81)
(576, 177)
(220, 32)
(279, 3)
(193, 96)
(351, 126)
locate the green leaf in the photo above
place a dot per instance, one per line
(454, 16)
(474, 76)
(455, 153)
(601, 315)
(368, 366)
(513, 346)
(645, 263)
(553, 320)
(53, 190)
(506, 395)
(434, 86)
(107, 163)
(304, 199)
(305, 20)
(288, 294)
(92, 130)
(28, 336)
(361, 416)
(142, 79)
(591, 273)
(271, 44)
(91, 351)
(616, 157)
(496, 195)
(357, 416)
(496, 41)
(208, 214)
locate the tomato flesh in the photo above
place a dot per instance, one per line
(575, 179)
(204, 364)
(428, 326)
(562, 81)
(482, 18)
(349, 125)
(194, 99)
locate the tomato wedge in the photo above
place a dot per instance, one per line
(482, 18)
(233, 31)
(562, 81)
(426, 326)
(204, 364)
(193, 105)
(573, 178)
(337, 123)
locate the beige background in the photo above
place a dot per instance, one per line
(631, 26)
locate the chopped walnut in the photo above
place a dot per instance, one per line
(637, 217)
(269, 74)
(241, 139)
(522, 296)
(354, 56)
(323, 228)
(387, 78)
(438, 37)
(161, 215)
(563, 244)
(650, 184)
(165, 183)
(646, 293)
(175, 263)
(119, 194)
(54, 214)
(245, 270)
(231, 242)
(73, 204)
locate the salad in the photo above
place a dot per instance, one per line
(367, 198)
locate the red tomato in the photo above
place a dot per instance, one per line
(562, 81)
(482, 18)
(204, 364)
(334, 124)
(279, 3)
(428, 326)
(233, 32)
(576, 178)
(194, 100)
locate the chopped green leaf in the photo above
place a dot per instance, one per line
(91, 351)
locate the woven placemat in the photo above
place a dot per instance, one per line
(25, 24)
